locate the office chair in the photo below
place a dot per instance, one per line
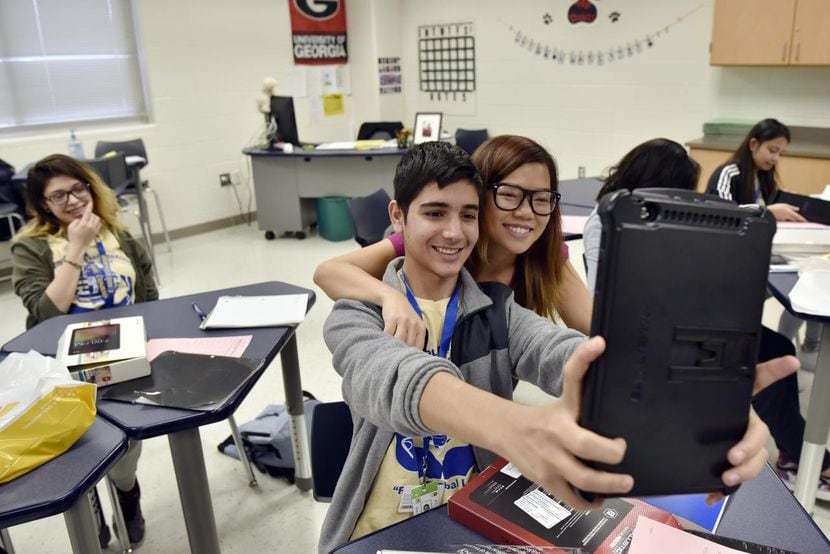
(131, 148)
(370, 217)
(386, 130)
(9, 211)
(331, 437)
(470, 139)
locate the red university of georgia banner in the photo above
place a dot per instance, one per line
(318, 31)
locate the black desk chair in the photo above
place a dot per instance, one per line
(370, 217)
(470, 139)
(331, 438)
(114, 172)
(135, 147)
(372, 130)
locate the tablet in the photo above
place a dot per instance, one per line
(680, 289)
(813, 209)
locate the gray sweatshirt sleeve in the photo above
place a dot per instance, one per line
(539, 349)
(383, 378)
(591, 236)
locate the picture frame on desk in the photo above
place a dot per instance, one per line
(427, 127)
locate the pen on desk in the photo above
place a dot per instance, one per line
(199, 311)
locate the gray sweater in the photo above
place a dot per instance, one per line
(495, 341)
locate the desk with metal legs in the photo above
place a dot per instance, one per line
(175, 317)
(818, 413)
(60, 486)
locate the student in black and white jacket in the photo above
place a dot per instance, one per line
(749, 175)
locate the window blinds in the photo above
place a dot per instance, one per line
(68, 61)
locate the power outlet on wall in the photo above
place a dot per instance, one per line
(580, 171)
(225, 179)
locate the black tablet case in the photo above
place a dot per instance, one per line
(192, 381)
(813, 209)
(679, 293)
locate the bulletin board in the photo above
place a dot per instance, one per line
(447, 68)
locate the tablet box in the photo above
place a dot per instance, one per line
(105, 352)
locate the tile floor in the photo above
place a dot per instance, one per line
(273, 517)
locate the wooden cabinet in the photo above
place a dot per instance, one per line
(799, 175)
(770, 32)
(811, 33)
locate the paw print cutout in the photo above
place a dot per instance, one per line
(614, 16)
(547, 18)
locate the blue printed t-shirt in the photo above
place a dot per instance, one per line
(107, 277)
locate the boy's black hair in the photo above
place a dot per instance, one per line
(436, 161)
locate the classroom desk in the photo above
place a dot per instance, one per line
(174, 317)
(580, 192)
(60, 486)
(818, 413)
(761, 511)
(286, 185)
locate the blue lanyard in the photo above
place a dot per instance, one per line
(449, 317)
(106, 283)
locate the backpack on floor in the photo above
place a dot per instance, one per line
(267, 439)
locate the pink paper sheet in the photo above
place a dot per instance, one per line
(652, 537)
(217, 346)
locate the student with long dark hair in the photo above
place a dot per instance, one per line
(749, 177)
(658, 162)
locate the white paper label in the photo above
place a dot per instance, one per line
(547, 511)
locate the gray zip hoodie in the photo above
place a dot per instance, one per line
(495, 342)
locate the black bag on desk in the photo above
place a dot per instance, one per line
(267, 439)
(680, 289)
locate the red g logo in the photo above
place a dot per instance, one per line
(318, 9)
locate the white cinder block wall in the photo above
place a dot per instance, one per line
(589, 115)
(206, 60)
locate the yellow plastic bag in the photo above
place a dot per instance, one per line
(43, 411)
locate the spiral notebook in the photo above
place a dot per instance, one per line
(233, 312)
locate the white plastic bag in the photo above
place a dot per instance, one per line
(43, 411)
(811, 293)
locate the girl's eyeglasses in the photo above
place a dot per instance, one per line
(79, 191)
(510, 197)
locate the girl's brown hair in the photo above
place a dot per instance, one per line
(44, 223)
(539, 269)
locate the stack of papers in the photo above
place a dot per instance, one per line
(342, 145)
(256, 311)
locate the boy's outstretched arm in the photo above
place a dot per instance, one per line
(545, 443)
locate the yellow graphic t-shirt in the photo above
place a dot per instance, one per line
(411, 461)
(107, 278)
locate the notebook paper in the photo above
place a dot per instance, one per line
(256, 311)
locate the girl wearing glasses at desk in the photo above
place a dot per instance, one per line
(74, 255)
(520, 244)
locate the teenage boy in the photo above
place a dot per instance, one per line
(425, 421)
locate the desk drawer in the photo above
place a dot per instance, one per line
(344, 176)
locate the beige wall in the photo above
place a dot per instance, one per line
(206, 60)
